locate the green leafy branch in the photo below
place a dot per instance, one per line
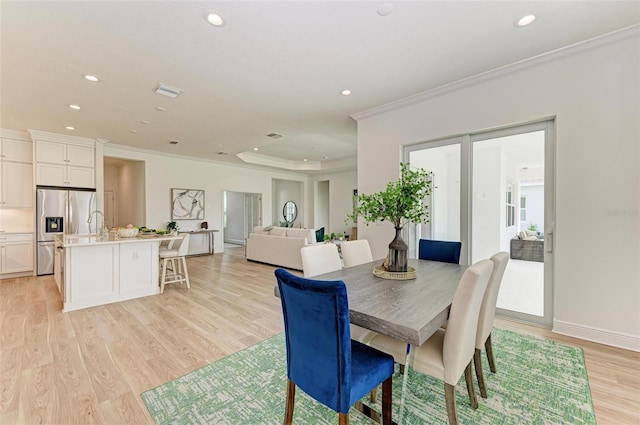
(400, 203)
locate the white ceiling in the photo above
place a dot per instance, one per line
(274, 67)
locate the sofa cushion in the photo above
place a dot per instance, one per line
(260, 230)
(278, 231)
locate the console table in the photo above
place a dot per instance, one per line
(200, 242)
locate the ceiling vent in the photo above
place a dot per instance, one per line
(223, 153)
(167, 90)
(274, 135)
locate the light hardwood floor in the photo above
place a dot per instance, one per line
(90, 366)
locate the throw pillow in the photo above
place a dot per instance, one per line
(278, 231)
(320, 235)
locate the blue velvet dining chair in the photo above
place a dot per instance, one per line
(322, 359)
(444, 251)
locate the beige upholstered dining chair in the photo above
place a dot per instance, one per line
(173, 266)
(356, 252)
(447, 354)
(324, 258)
(485, 320)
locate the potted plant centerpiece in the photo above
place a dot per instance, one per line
(400, 203)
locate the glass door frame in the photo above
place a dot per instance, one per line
(466, 190)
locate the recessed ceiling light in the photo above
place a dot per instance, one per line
(305, 160)
(325, 157)
(255, 149)
(74, 107)
(133, 131)
(69, 127)
(214, 19)
(160, 108)
(144, 122)
(345, 92)
(91, 78)
(525, 20)
(385, 10)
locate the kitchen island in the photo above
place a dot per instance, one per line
(90, 271)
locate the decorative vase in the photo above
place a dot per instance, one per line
(398, 253)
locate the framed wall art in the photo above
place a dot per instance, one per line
(187, 204)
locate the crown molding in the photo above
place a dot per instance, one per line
(592, 43)
(64, 138)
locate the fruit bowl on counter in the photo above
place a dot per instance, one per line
(128, 232)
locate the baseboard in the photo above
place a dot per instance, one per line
(615, 339)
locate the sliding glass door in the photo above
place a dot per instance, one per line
(494, 192)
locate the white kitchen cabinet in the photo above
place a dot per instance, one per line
(60, 163)
(16, 253)
(64, 153)
(16, 190)
(16, 150)
(16, 172)
(64, 175)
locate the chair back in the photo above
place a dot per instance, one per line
(318, 340)
(460, 336)
(445, 251)
(488, 307)
(356, 252)
(320, 258)
(183, 245)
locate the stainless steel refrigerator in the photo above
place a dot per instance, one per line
(61, 211)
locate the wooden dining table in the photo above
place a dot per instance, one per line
(407, 310)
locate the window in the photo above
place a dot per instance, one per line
(523, 208)
(510, 206)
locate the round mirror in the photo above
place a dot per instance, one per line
(290, 211)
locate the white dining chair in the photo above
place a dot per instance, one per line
(356, 252)
(324, 258)
(447, 354)
(319, 259)
(173, 263)
(485, 320)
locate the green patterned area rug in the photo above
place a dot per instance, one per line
(538, 382)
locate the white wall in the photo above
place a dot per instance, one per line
(321, 206)
(593, 92)
(341, 185)
(164, 172)
(285, 191)
(131, 194)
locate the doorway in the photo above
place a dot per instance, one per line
(241, 213)
(494, 192)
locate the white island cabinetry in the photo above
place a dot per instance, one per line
(99, 272)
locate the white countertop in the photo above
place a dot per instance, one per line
(70, 241)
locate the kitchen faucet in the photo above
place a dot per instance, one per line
(96, 212)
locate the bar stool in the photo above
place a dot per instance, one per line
(173, 260)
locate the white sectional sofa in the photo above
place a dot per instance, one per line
(279, 246)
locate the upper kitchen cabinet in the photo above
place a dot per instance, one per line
(64, 160)
(16, 170)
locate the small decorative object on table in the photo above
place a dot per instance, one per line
(383, 272)
(128, 232)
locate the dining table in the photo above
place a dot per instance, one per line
(408, 310)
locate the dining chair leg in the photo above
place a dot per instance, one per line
(489, 349)
(374, 395)
(470, 388)
(387, 387)
(343, 419)
(450, 398)
(291, 399)
(477, 362)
